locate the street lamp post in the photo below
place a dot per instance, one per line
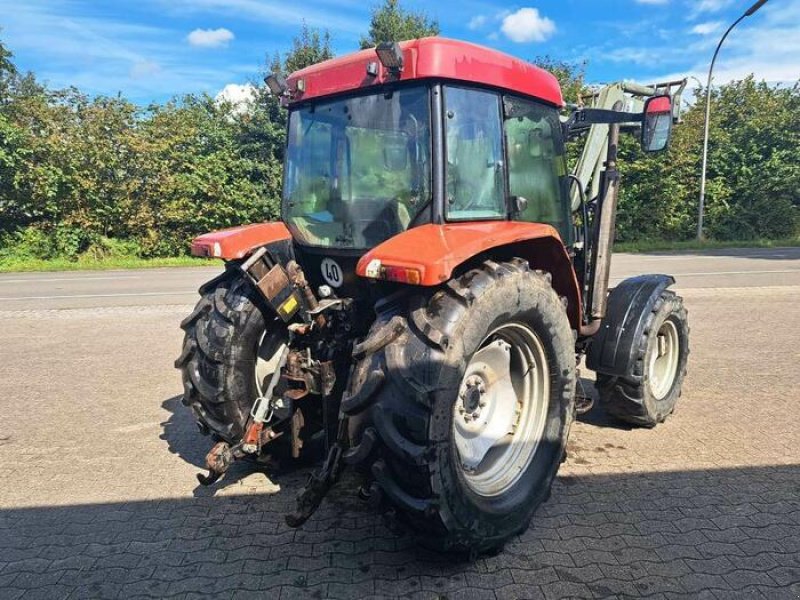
(701, 206)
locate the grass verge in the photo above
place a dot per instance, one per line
(19, 264)
(666, 246)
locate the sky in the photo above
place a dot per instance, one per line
(151, 50)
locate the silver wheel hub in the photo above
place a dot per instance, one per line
(501, 409)
(484, 414)
(662, 360)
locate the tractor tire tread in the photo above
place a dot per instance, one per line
(390, 422)
(212, 358)
(625, 398)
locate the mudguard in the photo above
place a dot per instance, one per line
(238, 242)
(433, 252)
(629, 304)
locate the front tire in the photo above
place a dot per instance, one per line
(649, 395)
(413, 378)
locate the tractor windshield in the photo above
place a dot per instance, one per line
(358, 169)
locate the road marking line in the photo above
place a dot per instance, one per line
(782, 253)
(183, 293)
(137, 427)
(178, 293)
(709, 273)
(704, 274)
(67, 279)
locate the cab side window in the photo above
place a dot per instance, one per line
(537, 167)
(474, 182)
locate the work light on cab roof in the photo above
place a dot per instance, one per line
(390, 55)
(276, 83)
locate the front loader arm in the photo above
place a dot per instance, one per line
(595, 115)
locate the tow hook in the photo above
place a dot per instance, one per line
(217, 462)
(222, 455)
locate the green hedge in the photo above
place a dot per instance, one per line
(102, 177)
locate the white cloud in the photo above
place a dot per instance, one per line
(106, 55)
(240, 96)
(706, 28)
(527, 25)
(708, 6)
(637, 56)
(477, 22)
(210, 38)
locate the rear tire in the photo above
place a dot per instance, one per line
(649, 395)
(226, 334)
(403, 401)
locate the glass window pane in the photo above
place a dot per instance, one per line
(475, 186)
(536, 163)
(358, 169)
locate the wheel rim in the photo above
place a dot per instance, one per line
(663, 360)
(501, 409)
(268, 356)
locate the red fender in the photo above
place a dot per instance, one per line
(428, 255)
(238, 242)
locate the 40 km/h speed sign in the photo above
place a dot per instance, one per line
(331, 272)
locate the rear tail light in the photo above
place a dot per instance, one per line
(401, 275)
(376, 270)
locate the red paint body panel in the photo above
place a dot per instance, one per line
(238, 242)
(436, 250)
(429, 58)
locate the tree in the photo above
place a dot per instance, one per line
(7, 67)
(192, 176)
(262, 130)
(8, 71)
(752, 179)
(309, 48)
(392, 23)
(82, 174)
(571, 75)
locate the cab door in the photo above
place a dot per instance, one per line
(537, 165)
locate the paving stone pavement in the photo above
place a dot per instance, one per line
(100, 501)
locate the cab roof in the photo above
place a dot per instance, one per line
(427, 58)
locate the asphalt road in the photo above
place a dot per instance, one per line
(99, 456)
(151, 287)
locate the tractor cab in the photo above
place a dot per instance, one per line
(430, 131)
(425, 131)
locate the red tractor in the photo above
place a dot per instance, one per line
(421, 308)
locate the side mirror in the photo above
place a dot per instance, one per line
(657, 123)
